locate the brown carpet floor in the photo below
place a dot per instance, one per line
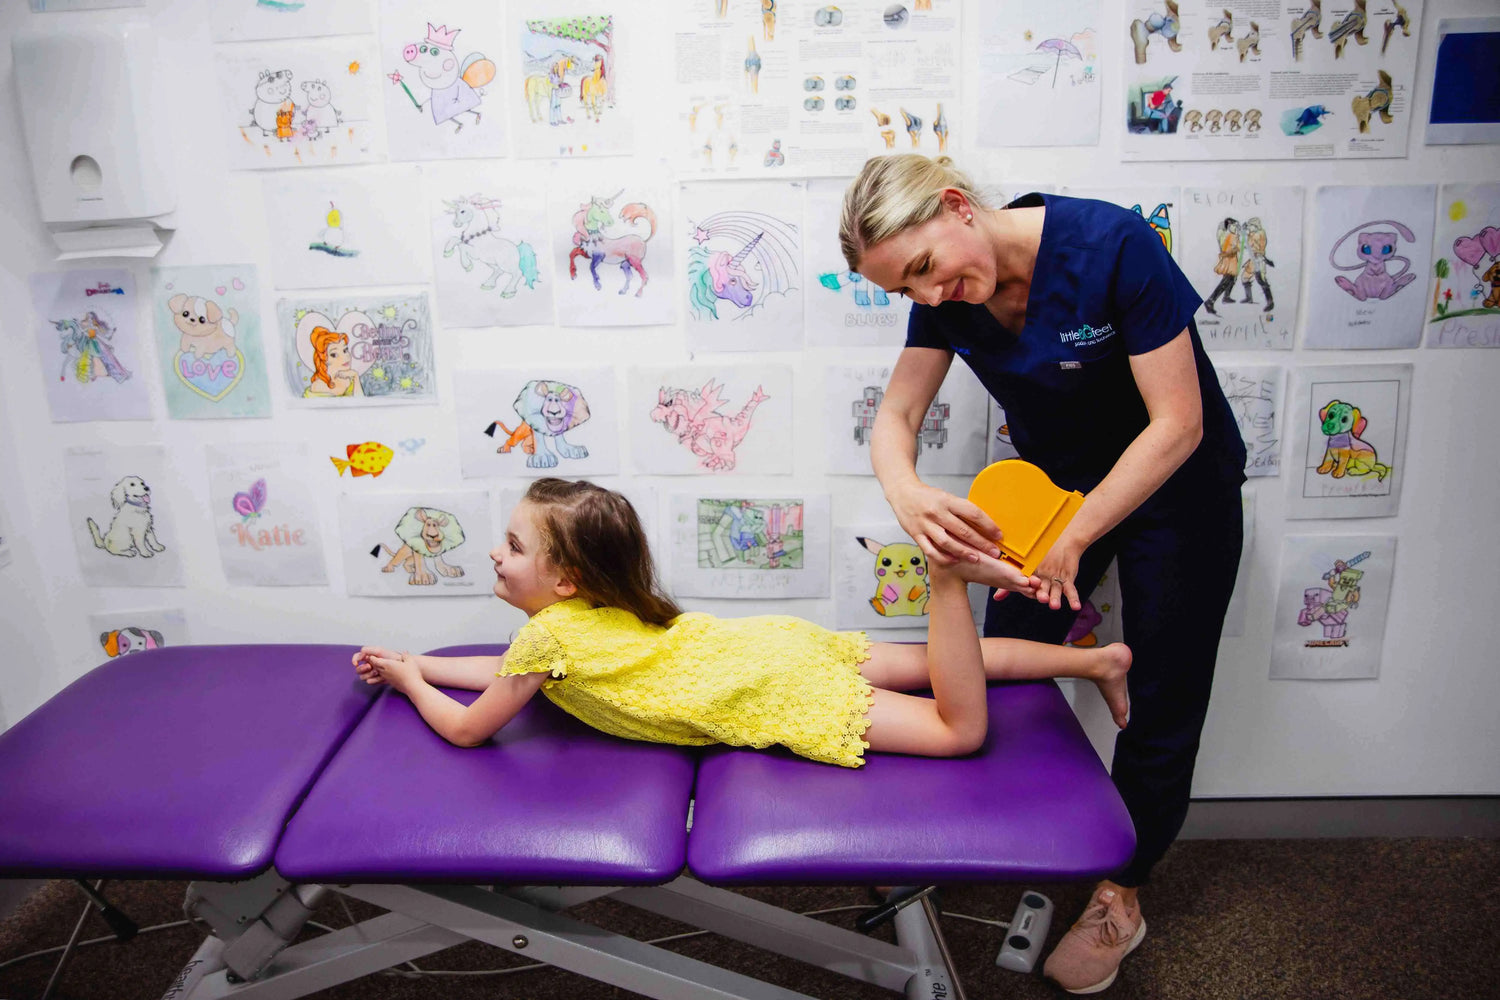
(1405, 919)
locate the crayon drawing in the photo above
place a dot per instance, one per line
(749, 547)
(570, 101)
(842, 308)
(1244, 246)
(711, 420)
(611, 248)
(1331, 606)
(440, 79)
(91, 358)
(1254, 394)
(554, 421)
(417, 545)
(1465, 307)
(490, 246)
(880, 579)
(372, 350)
(208, 339)
(1350, 440)
(122, 522)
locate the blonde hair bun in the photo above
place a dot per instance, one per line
(896, 192)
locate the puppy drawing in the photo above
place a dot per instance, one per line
(1492, 276)
(1347, 454)
(130, 532)
(205, 328)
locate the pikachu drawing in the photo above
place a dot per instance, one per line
(900, 578)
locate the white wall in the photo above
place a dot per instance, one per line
(1423, 728)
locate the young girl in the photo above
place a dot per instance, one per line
(607, 645)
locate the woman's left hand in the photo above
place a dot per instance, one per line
(1058, 573)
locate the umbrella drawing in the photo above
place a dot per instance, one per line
(1062, 47)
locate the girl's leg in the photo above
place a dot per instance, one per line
(896, 666)
(955, 719)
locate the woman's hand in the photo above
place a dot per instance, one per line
(1057, 574)
(376, 665)
(947, 529)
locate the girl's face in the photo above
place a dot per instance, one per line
(338, 357)
(524, 577)
(946, 258)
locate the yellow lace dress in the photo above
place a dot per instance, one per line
(744, 681)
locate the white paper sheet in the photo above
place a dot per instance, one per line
(1348, 440)
(209, 345)
(1158, 204)
(341, 228)
(1255, 396)
(417, 544)
(93, 360)
(374, 349)
(1331, 606)
(547, 420)
(758, 546)
(1465, 306)
(711, 420)
(952, 440)
(123, 633)
(243, 20)
(1038, 67)
(265, 517)
(842, 308)
(122, 516)
(1242, 247)
(574, 76)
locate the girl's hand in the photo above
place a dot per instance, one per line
(946, 528)
(377, 665)
(1057, 573)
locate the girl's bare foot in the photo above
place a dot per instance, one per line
(1114, 664)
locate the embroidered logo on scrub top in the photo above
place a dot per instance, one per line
(1087, 336)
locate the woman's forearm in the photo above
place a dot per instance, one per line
(1150, 460)
(893, 450)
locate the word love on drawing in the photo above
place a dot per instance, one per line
(263, 538)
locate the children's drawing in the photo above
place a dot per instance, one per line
(900, 578)
(1245, 244)
(412, 445)
(440, 87)
(86, 335)
(1098, 622)
(1163, 22)
(122, 526)
(327, 231)
(1466, 277)
(600, 239)
(951, 440)
(749, 547)
(1372, 243)
(696, 420)
(562, 423)
(264, 517)
(243, 20)
(378, 349)
(1254, 395)
(1164, 198)
(127, 633)
(570, 88)
(1040, 62)
(1331, 606)
(1352, 441)
(305, 103)
(505, 264)
(207, 322)
(750, 534)
(131, 639)
(843, 309)
(417, 545)
(490, 244)
(880, 579)
(368, 459)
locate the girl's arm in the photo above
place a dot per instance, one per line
(1167, 378)
(472, 673)
(459, 724)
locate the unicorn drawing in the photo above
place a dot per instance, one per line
(593, 238)
(478, 241)
(741, 258)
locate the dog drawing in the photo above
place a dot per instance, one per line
(205, 327)
(130, 532)
(1347, 454)
(1492, 276)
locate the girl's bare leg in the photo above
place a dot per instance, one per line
(954, 721)
(903, 667)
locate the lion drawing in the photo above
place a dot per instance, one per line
(547, 410)
(425, 533)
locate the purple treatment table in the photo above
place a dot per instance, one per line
(270, 776)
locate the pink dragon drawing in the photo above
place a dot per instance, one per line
(693, 415)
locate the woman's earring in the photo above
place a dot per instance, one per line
(968, 218)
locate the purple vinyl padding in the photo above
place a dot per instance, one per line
(182, 762)
(548, 800)
(1033, 803)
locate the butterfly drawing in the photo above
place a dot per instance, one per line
(249, 505)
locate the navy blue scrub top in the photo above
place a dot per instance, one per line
(1103, 288)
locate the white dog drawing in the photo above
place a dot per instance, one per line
(130, 532)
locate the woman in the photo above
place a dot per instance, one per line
(1074, 316)
(333, 365)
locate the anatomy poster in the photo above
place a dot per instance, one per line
(432, 544)
(880, 579)
(121, 516)
(954, 430)
(208, 341)
(92, 358)
(1000, 446)
(442, 82)
(612, 247)
(265, 518)
(490, 246)
(711, 420)
(1038, 67)
(1278, 79)
(550, 420)
(1348, 448)
(359, 350)
(806, 88)
(842, 308)
(1244, 247)
(120, 633)
(1465, 306)
(753, 546)
(742, 278)
(571, 79)
(1234, 614)
(1158, 204)
(1331, 606)
(1369, 263)
(1254, 393)
(300, 103)
(336, 228)
(243, 20)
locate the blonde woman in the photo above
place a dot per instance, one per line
(1076, 319)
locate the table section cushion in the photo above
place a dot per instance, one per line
(547, 801)
(1034, 803)
(182, 762)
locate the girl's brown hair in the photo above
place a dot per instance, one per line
(594, 538)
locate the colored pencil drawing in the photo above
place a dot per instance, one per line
(477, 238)
(87, 348)
(131, 529)
(1347, 453)
(548, 410)
(332, 239)
(750, 534)
(1331, 606)
(1352, 443)
(1254, 396)
(376, 349)
(1465, 309)
(900, 571)
(426, 536)
(739, 260)
(264, 517)
(601, 238)
(1328, 604)
(694, 416)
(452, 88)
(1374, 249)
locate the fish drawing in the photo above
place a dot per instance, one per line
(368, 459)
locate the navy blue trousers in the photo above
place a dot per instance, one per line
(1178, 560)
